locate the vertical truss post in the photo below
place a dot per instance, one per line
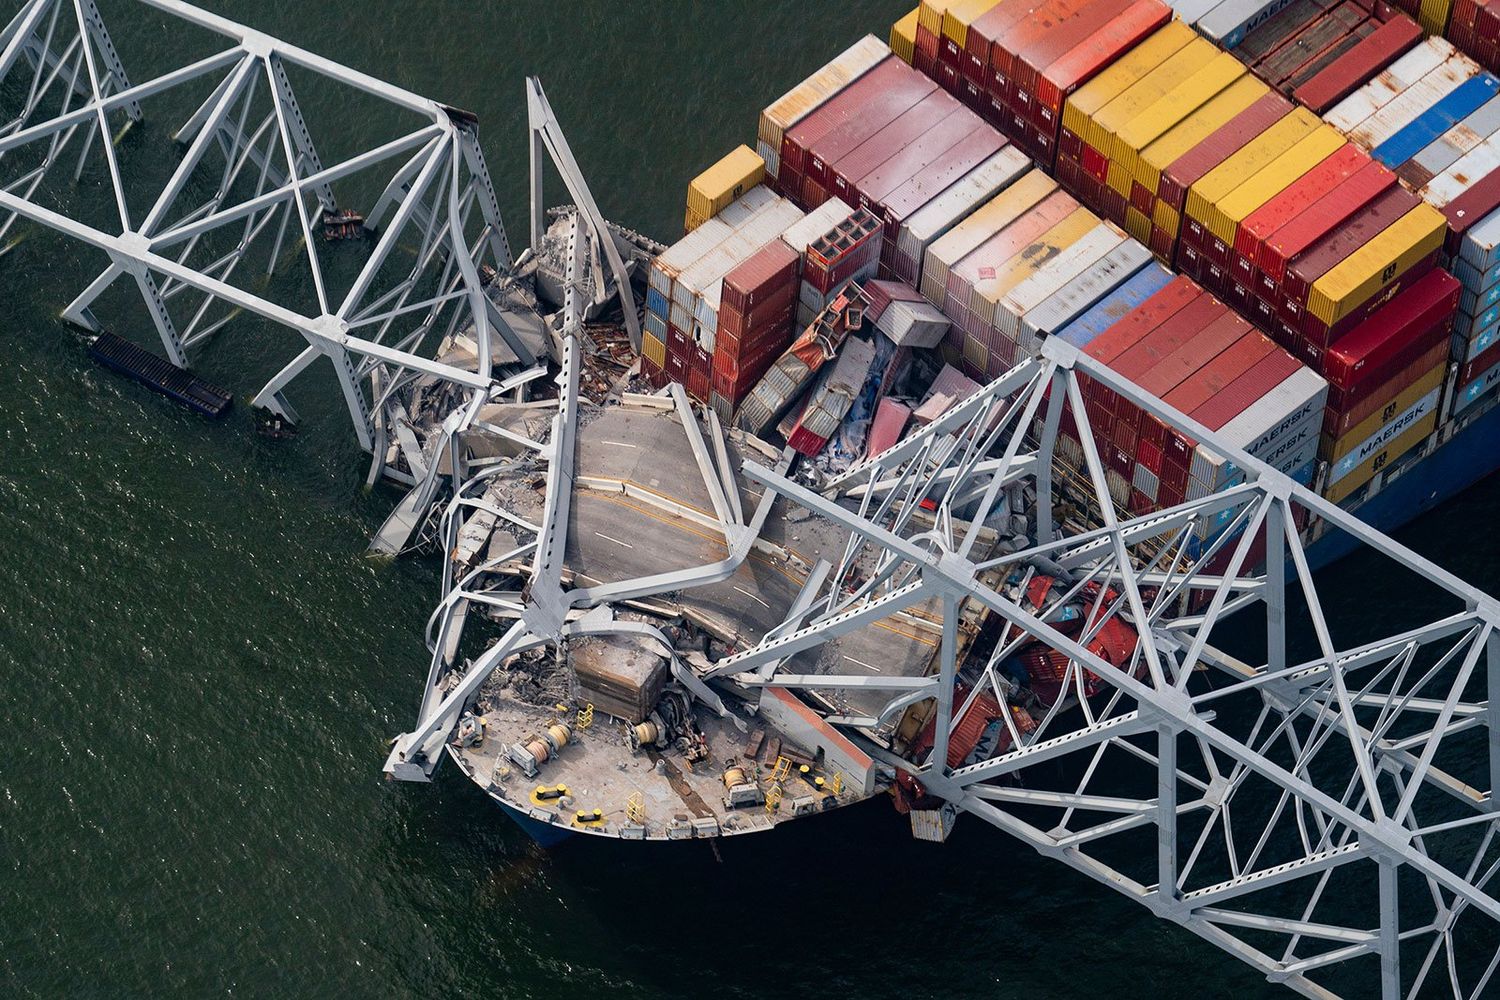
(1390, 931)
(1492, 712)
(1044, 453)
(354, 397)
(301, 137)
(947, 673)
(171, 340)
(484, 193)
(1166, 817)
(536, 156)
(108, 55)
(1275, 592)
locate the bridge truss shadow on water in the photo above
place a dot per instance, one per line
(1312, 792)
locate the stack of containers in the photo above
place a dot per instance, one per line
(692, 323)
(1435, 16)
(849, 251)
(685, 287)
(814, 226)
(805, 98)
(1182, 344)
(1018, 61)
(917, 232)
(758, 304)
(1318, 52)
(714, 189)
(1475, 28)
(1434, 119)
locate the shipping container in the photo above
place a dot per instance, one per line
(980, 226)
(711, 191)
(952, 206)
(1349, 72)
(1109, 310)
(904, 36)
(843, 108)
(811, 93)
(1349, 113)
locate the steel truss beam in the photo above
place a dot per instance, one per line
(250, 171)
(1284, 802)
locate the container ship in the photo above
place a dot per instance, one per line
(1280, 220)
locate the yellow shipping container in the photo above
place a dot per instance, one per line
(930, 15)
(655, 351)
(904, 36)
(1104, 126)
(1094, 95)
(1137, 225)
(989, 292)
(1172, 107)
(1224, 218)
(692, 220)
(1381, 457)
(1433, 15)
(725, 181)
(1165, 218)
(1216, 185)
(976, 353)
(1196, 127)
(959, 15)
(991, 217)
(1367, 270)
(1331, 450)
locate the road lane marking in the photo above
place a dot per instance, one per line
(615, 540)
(752, 597)
(620, 444)
(862, 663)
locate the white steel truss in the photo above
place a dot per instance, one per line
(1320, 808)
(1315, 800)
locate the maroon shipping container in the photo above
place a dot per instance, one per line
(1478, 200)
(1131, 328)
(1347, 410)
(1324, 215)
(1318, 259)
(1223, 142)
(737, 333)
(1394, 336)
(962, 126)
(1274, 368)
(1322, 336)
(1354, 68)
(1211, 379)
(882, 143)
(759, 277)
(1091, 56)
(905, 91)
(1182, 365)
(842, 107)
(935, 178)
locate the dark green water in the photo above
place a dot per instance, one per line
(201, 669)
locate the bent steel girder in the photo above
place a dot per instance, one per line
(246, 173)
(1308, 791)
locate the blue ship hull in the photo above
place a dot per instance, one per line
(1469, 456)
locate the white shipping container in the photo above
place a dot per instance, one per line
(1479, 245)
(1407, 106)
(1380, 91)
(1462, 173)
(685, 252)
(1230, 21)
(765, 226)
(1443, 151)
(797, 103)
(1392, 429)
(1191, 10)
(1113, 270)
(1300, 396)
(960, 200)
(966, 237)
(1051, 276)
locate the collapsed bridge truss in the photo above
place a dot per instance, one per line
(1316, 802)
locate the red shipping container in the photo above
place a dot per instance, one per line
(1293, 199)
(1051, 31)
(908, 162)
(1321, 335)
(1211, 379)
(1324, 255)
(882, 143)
(907, 89)
(1091, 56)
(1477, 201)
(1355, 67)
(1260, 378)
(844, 106)
(1347, 410)
(1182, 363)
(735, 327)
(762, 276)
(1326, 214)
